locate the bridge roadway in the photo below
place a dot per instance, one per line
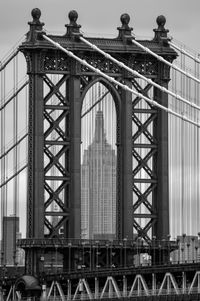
(97, 270)
(74, 254)
(159, 282)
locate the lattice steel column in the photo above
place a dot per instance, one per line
(144, 174)
(161, 193)
(150, 148)
(74, 94)
(35, 206)
(56, 153)
(126, 213)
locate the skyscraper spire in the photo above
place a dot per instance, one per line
(99, 133)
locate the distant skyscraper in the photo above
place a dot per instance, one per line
(98, 186)
(10, 235)
(188, 251)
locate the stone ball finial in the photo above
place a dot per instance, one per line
(125, 19)
(160, 31)
(73, 16)
(161, 20)
(36, 14)
(125, 31)
(73, 29)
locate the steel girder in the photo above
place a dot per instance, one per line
(144, 150)
(56, 153)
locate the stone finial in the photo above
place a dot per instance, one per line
(73, 29)
(36, 14)
(161, 32)
(125, 19)
(73, 16)
(125, 30)
(161, 20)
(35, 26)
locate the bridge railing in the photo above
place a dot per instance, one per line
(89, 242)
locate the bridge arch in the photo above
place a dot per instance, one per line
(100, 160)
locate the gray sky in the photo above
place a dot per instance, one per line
(101, 17)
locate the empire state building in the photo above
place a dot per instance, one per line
(98, 186)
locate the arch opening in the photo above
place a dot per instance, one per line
(98, 164)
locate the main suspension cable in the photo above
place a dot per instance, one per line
(126, 88)
(12, 56)
(161, 59)
(163, 89)
(184, 52)
(98, 101)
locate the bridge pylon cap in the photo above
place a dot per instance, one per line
(35, 26)
(125, 19)
(73, 16)
(72, 27)
(125, 31)
(161, 32)
(161, 20)
(36, 14)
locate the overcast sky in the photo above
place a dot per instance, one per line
(101, 17)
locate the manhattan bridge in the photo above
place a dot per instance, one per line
(99, 166)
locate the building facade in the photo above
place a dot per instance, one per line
(12, 254)
(98, 186)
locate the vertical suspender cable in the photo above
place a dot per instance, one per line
(3, 169)
(174, 158)
(16, 159)
(198, 154)
(188, 159)
(182, 155)
(196, 177)
(192, 148)
(27, 121)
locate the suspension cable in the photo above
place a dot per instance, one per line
(151, 101)
(3, 167)
(98, 101)
(160, 58)
(15, 154)
(14, 175)
(13, 54)
(24, 84)
(184, 52)
(14, 145)
(163, 89)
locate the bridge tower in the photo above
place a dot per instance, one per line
(142, 134)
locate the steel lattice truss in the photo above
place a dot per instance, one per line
(144, 150)
(56, 155)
